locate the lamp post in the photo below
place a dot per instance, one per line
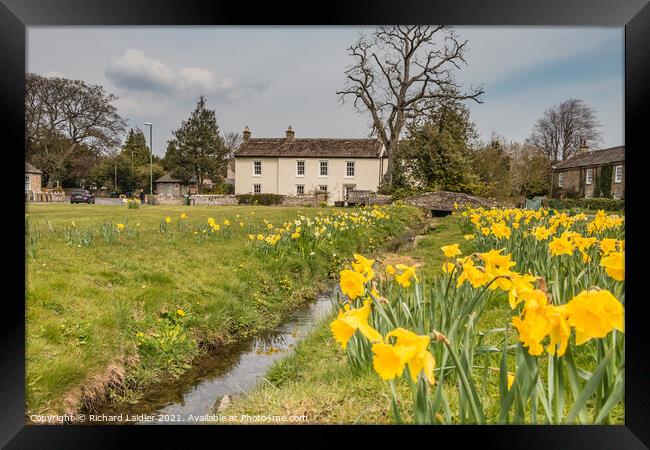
(150, 157)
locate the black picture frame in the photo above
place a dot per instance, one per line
(634, 15)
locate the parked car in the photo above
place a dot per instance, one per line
(82, 196)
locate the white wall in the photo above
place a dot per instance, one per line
(244, 178)
(279, 175)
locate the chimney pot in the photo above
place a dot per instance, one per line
(290, 133)
(246, 134)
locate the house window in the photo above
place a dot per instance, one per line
(322, 187)
(257, 168)
(300, 168)
(560, 179)
(28, 183)
(618, 174)
(589, 177)
(300, 189)
(323, 168)
(257, 189)
(349, 168)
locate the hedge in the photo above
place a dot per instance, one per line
(607, 204)
(260, 199)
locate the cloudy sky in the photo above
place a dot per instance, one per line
(272, 77)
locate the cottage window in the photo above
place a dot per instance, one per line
(322, 188)
(300, 168)
(257, 168)
(300, 189)
(349, 168)
(257, 189)
(560, 180)
(589, 177)
(323, 168)
(28, 183)
(618, 174)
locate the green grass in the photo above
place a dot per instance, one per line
(87, 304)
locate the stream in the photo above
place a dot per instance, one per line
(230, 371)
(227, 371)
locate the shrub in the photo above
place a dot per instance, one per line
(260, 199)
(607, 204)
(221, 189)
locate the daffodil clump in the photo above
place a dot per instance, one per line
(306, 235)
(563, 278)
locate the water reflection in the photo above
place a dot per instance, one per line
(232, 371)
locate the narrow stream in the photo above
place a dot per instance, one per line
(229, 371)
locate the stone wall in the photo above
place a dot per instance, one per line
(301, 200)
(165, 199)
(47, 197)
(214, 200)
(444, 200)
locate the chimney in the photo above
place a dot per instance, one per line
(584, 148)
(290, 133)
(246, 134)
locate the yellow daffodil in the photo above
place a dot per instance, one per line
(468, 237)
(363, 266)
(594, 314)
(614, 264)
(351, 320)
(451, 250)
(352, 283)
(183, 216)
(560, 246)
(608, 245)
(180, 312)
(404, 279)
(409, 350)
(168, 219)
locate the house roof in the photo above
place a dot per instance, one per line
(310, 147)
(31, 169)
(594, 158)
(167, 178)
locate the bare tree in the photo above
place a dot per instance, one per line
(399, 73)
(232, 140)
(564, 128)
(62, 116)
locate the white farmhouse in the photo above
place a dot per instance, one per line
(290, 166)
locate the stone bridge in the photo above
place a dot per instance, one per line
(441, 203)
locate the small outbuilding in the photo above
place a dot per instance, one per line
(168, 185)
(33, 179)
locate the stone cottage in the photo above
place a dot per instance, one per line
(33, 179)
(293, 166)
(168, 185)
(581, 176)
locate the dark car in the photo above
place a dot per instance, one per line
(82, 196)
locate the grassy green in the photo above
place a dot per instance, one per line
(101, 318)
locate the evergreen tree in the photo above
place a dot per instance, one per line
(197, 152)
(135, 149)
(436, 154)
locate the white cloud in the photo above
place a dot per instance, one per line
(134, 69)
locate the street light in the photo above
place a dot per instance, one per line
(150, 125)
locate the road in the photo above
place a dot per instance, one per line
(102, 201)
